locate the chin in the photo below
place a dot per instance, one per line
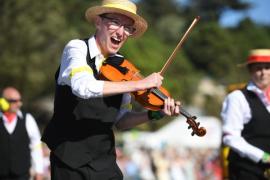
(113, 51)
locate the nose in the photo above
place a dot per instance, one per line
(264, 70)
(120, 31)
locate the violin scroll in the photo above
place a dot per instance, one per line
(191, 120)
(199, 131)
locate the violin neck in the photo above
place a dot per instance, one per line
(185, 113)
(162, 96)
(158, 93)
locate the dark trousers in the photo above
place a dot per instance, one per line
(15, 177)
(236, 173)
(61, 171)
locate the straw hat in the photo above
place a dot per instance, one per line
(124, 7)
(259, 56)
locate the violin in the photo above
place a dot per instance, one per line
(152, 99)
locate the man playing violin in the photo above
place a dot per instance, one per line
(80, 133)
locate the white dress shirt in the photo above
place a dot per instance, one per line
(75, 72)
(235, 114)
(34, 137)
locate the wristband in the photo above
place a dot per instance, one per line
(265, 157)
(155, 115)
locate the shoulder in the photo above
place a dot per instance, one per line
(76, 43)
(29, 118)
(75, 47)
(237, 98)
(236, 94)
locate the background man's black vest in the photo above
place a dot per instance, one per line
(14, 149)
(80, 131)
(256, 132)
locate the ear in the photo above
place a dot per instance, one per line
(98, 22)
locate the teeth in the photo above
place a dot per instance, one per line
(116, 39)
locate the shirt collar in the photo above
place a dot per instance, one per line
(252, 87)
(93, 48)
(264, 95)
(19, 114)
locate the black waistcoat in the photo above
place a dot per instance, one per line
(255, 132)
(14, 149)
(80, 131)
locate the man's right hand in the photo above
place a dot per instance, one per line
(154, 80)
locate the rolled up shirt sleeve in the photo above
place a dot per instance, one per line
(75, 71)
(35, 144)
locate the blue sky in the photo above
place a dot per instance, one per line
(259, 13)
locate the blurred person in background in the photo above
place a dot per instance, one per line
(21, 155)
(80, 134)
(246, 121)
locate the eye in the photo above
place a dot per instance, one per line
(115, 22)
(129, 29)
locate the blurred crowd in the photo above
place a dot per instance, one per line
(170, 163)
(167, 163)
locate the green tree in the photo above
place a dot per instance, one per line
(212, 50)
(30, 43)
(153, 10)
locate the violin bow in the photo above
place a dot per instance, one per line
(179, 45)
(190, 119)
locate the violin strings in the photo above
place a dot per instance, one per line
(184, 113)
(159, 93)
(163, 97)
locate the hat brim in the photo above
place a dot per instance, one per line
(139, 23)
(248, 63)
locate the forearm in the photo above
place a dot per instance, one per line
(112, 88)
(151, 81)
(35, 144)
(240, 145)
(38, 177)
(132, 119)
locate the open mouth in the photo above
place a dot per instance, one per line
(115, 40)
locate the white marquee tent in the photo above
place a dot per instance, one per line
(177, 133)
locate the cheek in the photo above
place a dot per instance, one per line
(256, 74)
(255, 77)
(268, 72)
(268, 76)
(17, 105)
(125, 38)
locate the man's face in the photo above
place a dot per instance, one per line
(260, 74)
(112, 31)
(14, 99)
